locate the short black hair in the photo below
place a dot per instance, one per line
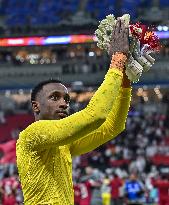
(39, 87)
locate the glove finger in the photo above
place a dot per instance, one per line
(149, 58)
(133, 70)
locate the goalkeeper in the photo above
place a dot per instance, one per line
(46, 147)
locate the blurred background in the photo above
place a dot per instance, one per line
(43, 39)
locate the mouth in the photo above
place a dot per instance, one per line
(62, 114)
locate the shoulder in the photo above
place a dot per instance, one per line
(24, 134)
(33, 128)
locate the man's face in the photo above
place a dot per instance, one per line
(53, 102)
(133, 177)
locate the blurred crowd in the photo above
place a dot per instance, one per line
(64, 56)
(123, 168)
(10, 188)
(122, 171)
(51, 54)
(75, 59)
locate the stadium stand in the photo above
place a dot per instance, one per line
(147, 127)
(31, 16)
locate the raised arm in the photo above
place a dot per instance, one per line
(114, 125)
(45, 133)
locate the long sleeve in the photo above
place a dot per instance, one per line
(114, 124)
(46, 133)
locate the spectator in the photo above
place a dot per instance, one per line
(163, 187)
(115, 185)
(77, 193)
(86, 186)
(9, 185)
(106, 191)
(134, 190)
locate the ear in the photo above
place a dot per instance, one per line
(35, 107)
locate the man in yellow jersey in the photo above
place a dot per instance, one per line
(46, 147)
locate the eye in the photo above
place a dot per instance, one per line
(67, 99)
(54, 97)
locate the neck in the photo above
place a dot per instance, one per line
(37, 117)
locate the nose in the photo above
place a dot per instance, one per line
(63, 104)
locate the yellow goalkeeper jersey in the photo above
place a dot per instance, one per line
(46, 147)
